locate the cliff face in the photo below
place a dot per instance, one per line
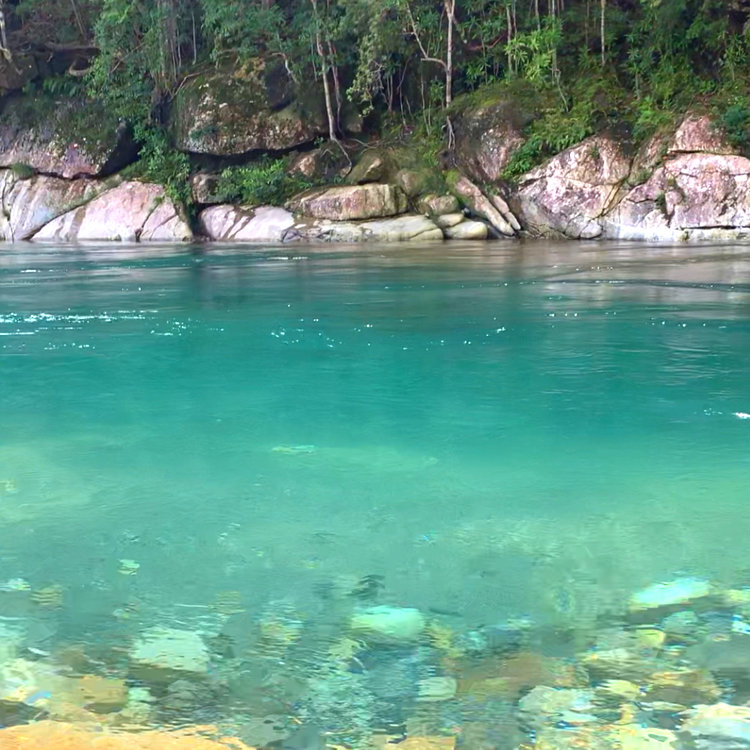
(58, 184)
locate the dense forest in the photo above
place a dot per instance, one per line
(407, 66)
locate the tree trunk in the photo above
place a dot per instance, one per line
(604, 54)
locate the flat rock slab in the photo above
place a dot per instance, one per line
(46, 735)
(351, 203)
(412, 227)
(467, 230)
(131, 212)
(162, 653)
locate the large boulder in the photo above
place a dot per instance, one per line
(487, 136)
(30, 203)
(568, 195)
(694, 195)
(72, 138)
(224, 113)
(699, 133)
(132, 212)
(347, 203)
(240, 224)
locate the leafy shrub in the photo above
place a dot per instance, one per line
(734, 120)
(264, 183)
(22, 171)
(161, 163)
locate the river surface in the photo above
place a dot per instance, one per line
(254, 443)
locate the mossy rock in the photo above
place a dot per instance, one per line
(230, 112)
(73, 137)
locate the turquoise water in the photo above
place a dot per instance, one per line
(486, 432)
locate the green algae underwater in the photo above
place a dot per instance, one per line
(260, 445)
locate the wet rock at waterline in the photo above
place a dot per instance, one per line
(347, 203)
(131, 212)
(568, 195)
(237, 223)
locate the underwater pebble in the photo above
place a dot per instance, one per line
(390, 623)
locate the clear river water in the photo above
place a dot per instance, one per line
(253, 444)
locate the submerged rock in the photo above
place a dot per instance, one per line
(66, 736)
(657, 599)
(718, 727)
(165, 654)
(131, 212)
(389, 623)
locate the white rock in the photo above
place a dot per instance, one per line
(449, 220)
(390, 623)
(679, 591)
(397, 229)
(467, 230)
(133, 211)
(169, 650)
(237, 223)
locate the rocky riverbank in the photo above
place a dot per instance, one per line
(684, 183)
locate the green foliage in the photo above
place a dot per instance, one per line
(734, 120)
(550, 134)
(159, 162)
(265, 183)
(22, 171)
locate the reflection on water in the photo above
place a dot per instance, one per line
(384, 491)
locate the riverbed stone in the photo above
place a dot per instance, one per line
(131, 212)
(467, 230)
(245, 224)
(257, 107)
(162, 655)
(718, 727)
(348, 203)
(389, 623)
(568, 195)
(657, 600)
(686, 687)
(44, 735)
(545, 705)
